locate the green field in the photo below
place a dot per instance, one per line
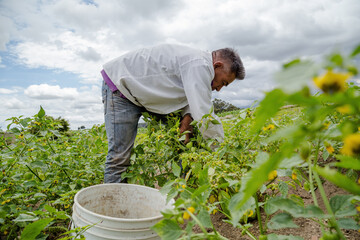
(316, 139)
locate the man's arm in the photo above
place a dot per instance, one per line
(196, 77)
(185, 126)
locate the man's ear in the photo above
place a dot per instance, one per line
(218, 64)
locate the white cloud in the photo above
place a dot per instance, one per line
(1, 65)
(7, 91)
(13, 103)
(80, 108)
(78, 37)
(45, 91)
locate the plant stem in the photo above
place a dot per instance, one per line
(47, 140)
(198, 222)
(34, 173)
(317, 152)
(328, 207)
(251, 141)
(311, 181)
(66, 174)
(258, 214)
(238, 225)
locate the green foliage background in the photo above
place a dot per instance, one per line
(43, 165)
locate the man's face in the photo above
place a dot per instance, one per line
(222, 78)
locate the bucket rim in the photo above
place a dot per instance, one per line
(116, 219)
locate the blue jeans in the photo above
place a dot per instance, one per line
(121, 122)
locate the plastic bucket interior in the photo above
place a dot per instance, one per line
(119, 211)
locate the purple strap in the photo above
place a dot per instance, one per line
(111, 85)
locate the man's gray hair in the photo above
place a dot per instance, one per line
(236, 65)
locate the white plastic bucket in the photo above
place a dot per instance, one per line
(119, 211)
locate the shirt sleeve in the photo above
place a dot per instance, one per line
(197, 76)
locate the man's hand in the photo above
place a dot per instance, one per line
(185, 126)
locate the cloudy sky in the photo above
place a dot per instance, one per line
(51, 51)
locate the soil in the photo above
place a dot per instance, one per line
(308, 229)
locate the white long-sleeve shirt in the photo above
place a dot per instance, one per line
(166, 78)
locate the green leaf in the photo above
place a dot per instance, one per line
(338, 179)
(176, 169)
(25, 218)
(337, 59)
(215, 122)
(204, 218)
(167, 229)
(303, 98)
(284, 188)
(257, 176)
(204, 176)
(289, 163)
(296, 76)
(273, 236)
(269, 106)
(291, 63)
(32, 230)
(202, 189)
(348, 162)
(348, 223)
(341, 206)
(355, 52)
(167, 187)
(41, 112)
(293, 208)
(353, 70)
(281, 220)
(275, 204)
(50, 209)
(313, 211)
(238, 210)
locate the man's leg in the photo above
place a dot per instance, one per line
(121, 121)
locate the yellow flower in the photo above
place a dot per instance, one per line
(183, 186)
(330, 149)
(186, 215)
(214, 211)
(344, 109)
(326, 125)
(250, 213)
(358, 208)
(351, 145)
(269, 127)
(272, 175)
(332, 82)
(294, 176)
(212, 199)
(21, 136)
(191, 209)
(30, 149)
